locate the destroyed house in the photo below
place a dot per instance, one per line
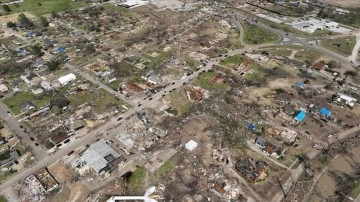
(47, 180)
(59, 138)
(251, 169)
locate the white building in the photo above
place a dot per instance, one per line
(350, 101)
(3, 88)
(64, 80)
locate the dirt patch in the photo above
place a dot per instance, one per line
(13, 17)
(60, 172)
(78, 192)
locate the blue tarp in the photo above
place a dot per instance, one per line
(61, 49)
(299, 84)
(31, 34)
(300, 115)
(325, 112)
(251, 126)
(21, 50)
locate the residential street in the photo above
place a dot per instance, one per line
(13, 124)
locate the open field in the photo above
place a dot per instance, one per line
(343, 3)
(13, 17)
(308, 56)
(2, 199)
(42, 7)
(257, 35)
(137, 180)
(342, 46)
(14, 102)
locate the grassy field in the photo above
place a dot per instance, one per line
(308, 56)
(257, 35)
(354, 192)
(203, 82)
(233, 61)
(14, 102)
(2, 198)
(101, 99)
(179, 101)
(342, 46)
(257, 75)
(137, 180)
(167, 167)
(42, 7)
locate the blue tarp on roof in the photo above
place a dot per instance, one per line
(61, 49)
(324, 111)
(31, 34)
(21, 50)
(251, 126)
(300, 115)
(299, 84)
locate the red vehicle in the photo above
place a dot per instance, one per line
(71, 152)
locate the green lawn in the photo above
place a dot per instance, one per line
(179, 101)
(257, 75)
(2, 198)
(137, 180)
(353, 193)
(101, 99)
(203, 82)
(308, 56)
(167, 167)
(342, 46)
(257, 35)
(233, 61)
(14, 102)
(47, 6)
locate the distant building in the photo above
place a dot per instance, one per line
(342, 98)
(269, 148)
(59, 138)
(46, 179)
(299, 116)
(252, 170)
(319, 65)
(3, 88)
(64, 80)
(45, 85)
(110, 78)
(31, 76)
(325, 112)
(289, 136)
(101, 157)
(13, 154)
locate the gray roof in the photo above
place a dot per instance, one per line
(95, 155)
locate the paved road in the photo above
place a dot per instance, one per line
(38, 151)
(93, 135)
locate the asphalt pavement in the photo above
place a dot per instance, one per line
(38, 151)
